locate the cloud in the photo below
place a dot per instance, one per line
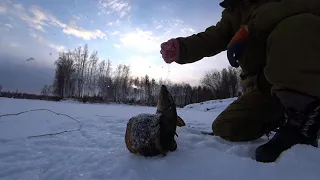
(187, 30)
(18, 7)
(14, 44)
(121, 7)
(168, 22)
(54, 21)
(149, 41)
(38, 38)
(25, 77)
(116, 45)
(143, 41)
(41, 40)
(57, 47)
(168, 26)
(159, 26)
(38, 16)
(4, 28)
(76, 17)
(41, 19)
(142, 65)
(118, 22)
(114, 33)
(3, 9)
(85, 34)
(8, 26)
(37, 21)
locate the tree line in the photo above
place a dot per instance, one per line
(223, 84)
(83, 76)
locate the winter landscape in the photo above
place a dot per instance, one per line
(73, 72)
(93, 147)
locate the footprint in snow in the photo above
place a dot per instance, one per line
(192, 139)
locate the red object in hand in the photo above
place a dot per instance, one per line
(241, 34)
(170, 50)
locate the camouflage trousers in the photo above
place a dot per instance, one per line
(250, 116)
(292, 63)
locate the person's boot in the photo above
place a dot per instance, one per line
(301, 125)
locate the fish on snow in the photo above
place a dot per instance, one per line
(153, 134)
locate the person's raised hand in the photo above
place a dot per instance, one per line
(170, 50)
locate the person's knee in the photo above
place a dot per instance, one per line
(246, 118)
(236, 130)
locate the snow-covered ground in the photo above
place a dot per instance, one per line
(98, 150)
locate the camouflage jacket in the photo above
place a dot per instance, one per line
(260, 15)
(216, 38)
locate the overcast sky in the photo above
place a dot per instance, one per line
(124, 31)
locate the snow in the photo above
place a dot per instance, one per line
(98, 150)
(213, 105)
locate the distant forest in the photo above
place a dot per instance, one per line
(79, 76)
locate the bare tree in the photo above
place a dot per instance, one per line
(136, 88)
(0, 89)
(105, 82)
(78, 69)
(147, 87)
(212, 80)
(45, 90)
(188, 94)
(125, 83)
(154, 91)
(223, 84)
(82, 58)
(92, 74)
(233, 82)
(117, 83)
(63, 77)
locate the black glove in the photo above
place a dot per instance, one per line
(234, 52)
(236, 46)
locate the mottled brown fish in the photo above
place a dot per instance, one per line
(153, 134)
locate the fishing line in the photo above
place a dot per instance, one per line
(47, 134)
(168, 72)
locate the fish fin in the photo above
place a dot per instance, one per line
(176, 134)
(180, 122)
(173, 146)
(159, 146)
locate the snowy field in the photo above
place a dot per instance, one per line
(97, 150)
